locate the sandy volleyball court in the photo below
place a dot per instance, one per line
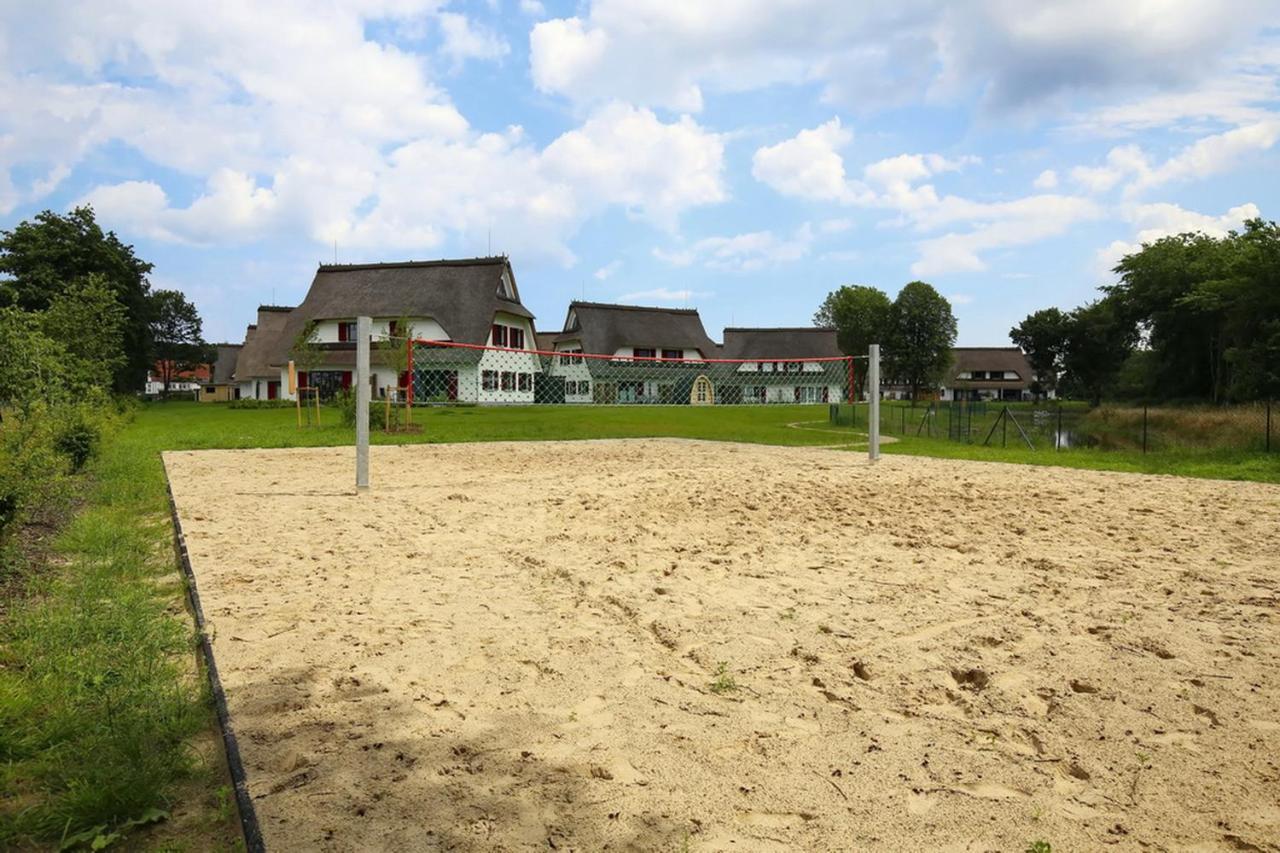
(667, 645)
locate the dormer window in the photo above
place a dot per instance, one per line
(505, 288)
(572, 322)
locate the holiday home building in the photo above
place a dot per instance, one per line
(471, 301)
(774, 366)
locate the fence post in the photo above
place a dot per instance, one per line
(1144, 428)
(364, 331)
(1267, 443)
(1004, 427)
(873, 396)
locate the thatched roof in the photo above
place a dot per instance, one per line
(253, 362)
(1006, 359)
(781, 343)
(224, 366)
(605, 329)
(461, 295)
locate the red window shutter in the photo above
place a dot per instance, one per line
(404, 379)
(346, 379)
(342, 332)
(302, 379)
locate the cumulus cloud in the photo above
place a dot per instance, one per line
(1011, 55)
(1154, 221)
(747, 252)
(292, 119)
(608, 270)
(810, 166)
(1046, 180)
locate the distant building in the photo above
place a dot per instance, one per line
(989, 373)
(220, 386)
(186, 381)
(794, 380)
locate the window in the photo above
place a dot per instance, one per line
(995, 374)
(570, 359)
(673, 353)
(515, 338)
(524, 381)
(489, 380)
(642, 352)
(979, 374)
(793, 366)
(393, 328)
(499, 336)
(346, 331)
(508, 381)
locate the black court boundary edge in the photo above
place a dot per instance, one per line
(244, 803)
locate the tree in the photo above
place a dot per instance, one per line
(1043, 337)
(860, 316)
(921, 332)
(45, 256)
(1100, 339)
(32, 364)
(178, 335)
(88, 323)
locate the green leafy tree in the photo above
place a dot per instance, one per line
(45, 256)
(1043, 337)
(921, 332)
(178, 335)
(1100, 339)
(33, 365)
(88, 322)
(860, 316)
(307, 351)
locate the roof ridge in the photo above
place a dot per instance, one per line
(577, 303)
(442, 262)
(780, 328)
(1002, 349)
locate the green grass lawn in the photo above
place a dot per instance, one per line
(194, 426)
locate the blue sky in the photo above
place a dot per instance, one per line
(742, 157)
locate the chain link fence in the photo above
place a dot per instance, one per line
(450, 373)
(1058, 426)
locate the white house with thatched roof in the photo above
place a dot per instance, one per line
(472, 301)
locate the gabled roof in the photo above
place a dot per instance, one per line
(545, 341)
(604, 328)
(258, 341)
(781, 343)
(968, 359)
(224, 367)
(461, 295)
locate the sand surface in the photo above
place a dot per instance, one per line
(514, 647)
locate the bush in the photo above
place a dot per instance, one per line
(346, 403)
(250, 403)
(77, 440)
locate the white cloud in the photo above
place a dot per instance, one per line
(1046, 180)
(663, 296)
(1210, 155)
(810, 166)
(293, 119)
(533, 8)
(744, 252)
(463, 40)
(1011, 55)
(960, 298)
(1155, 221)
(608, 270)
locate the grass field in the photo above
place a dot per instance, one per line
(193, 426)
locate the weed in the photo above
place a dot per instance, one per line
(1039, 847)
(824, 629)
(723, 681)
(788, 615)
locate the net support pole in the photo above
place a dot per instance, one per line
(873, 399)
(364, 331)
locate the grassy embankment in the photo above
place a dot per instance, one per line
(106, 733)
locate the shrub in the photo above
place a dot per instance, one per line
(346, 402)
(77, 440)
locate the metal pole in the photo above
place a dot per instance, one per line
(364, 331)
(873, 398)
(1004, 428)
